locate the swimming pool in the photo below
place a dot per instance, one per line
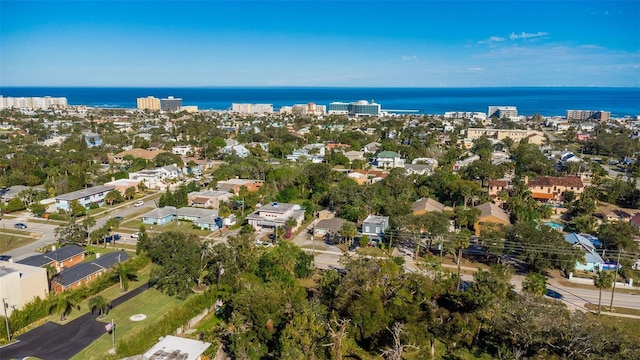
(556, 226)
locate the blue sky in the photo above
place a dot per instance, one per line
(320, 43)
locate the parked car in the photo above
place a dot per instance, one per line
(119, 218)
(20, 226)
(114, 237)
(138, 203)
(135, 235)
(5, 257)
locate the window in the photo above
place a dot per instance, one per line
(366, 228)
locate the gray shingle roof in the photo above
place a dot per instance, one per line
(76, 273)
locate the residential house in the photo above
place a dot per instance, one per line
(151, 178)
(616, 215)
(238, 150)
(592, 260)
(496, 186)
(11, 192)
(328, 229)
(173, 347)
(123, 184)
(500, 157)
(85, 273)
(371, 148)
(567, 156)
(60, 259)
(374, 226)
(171, 171)
(182, 150)
(465, 162)
(418, 169)
(363, 177)
(635, 220)
(193, 214)
(427, 205)
(85, 197)
(208, 198)
(20, 284)
(92, 140)
(490, 213)
(354, 155)
(234, 185)
(551, 188)
(313, 152)
(275, 215)
(389, 159)
(159, 216)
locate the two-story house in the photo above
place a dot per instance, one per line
(389, 159)
(551, 188)
(374, 226)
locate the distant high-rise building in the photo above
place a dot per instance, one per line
(39, 103)
(502, 111)
(582, 115)
(149, 103)
(359, 108)
(170, 104)
(252, 108)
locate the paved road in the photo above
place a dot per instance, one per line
(573, 297)
(55, 341)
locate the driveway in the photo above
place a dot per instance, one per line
(55, 341)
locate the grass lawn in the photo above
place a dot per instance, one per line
(10, 242)
(183, 226)
(604, 308)
(110, 293)
(152, 303)
(626, 325)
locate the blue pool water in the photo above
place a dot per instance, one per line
(556, 226)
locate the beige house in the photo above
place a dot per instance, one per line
(208, 199)
(490, 213)
(501, 134)
(427, 205)
(549, 188)
(20, 284)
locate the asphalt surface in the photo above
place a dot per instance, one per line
(56, 342)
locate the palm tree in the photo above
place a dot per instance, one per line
(602, 280)
(101, 304)
(87, 223)
(124, 273)
(535, 284)
(63, 305)
(130, 192)
(348, 231)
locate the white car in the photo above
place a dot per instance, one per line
(135, 235)
(138, 203)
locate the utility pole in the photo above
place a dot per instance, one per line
(6, 318)
(615, 278)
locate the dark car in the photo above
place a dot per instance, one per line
(119, 218)
(20, 225)
(114, 237)
(5, 257)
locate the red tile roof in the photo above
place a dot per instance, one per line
(570, 181)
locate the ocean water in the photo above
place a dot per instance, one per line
(529, 100)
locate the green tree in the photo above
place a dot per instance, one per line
(100, 304)
(64, 303)
(602, 280)
(113, 197)
(124, 273)
(14, 205)
(130, 192)
(348, 231)
(37, 209)
(535, 284)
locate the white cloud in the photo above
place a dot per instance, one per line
(524, 35)
(492, 39)
(475, 69)
(409, 58)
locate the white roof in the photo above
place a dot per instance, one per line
(173, 347)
